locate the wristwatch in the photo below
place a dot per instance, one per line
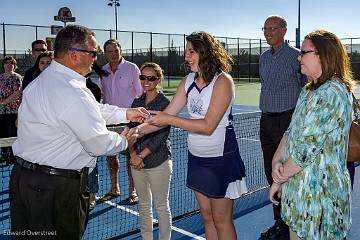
(141, 156)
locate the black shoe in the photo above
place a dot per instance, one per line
(279, 231)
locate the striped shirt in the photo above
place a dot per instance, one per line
(281, 80)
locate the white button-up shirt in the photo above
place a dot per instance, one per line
(60, 124)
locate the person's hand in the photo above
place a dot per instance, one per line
(158, 118)
(278, 174)
(275, 193)
(135, 131)
(136, 162)
(137, 114)
(131, 138)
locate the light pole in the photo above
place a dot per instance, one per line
(116, 4)
(298, 29)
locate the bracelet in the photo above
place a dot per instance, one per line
(141, 156)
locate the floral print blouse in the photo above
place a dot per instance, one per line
(9, 85)
(316, 201)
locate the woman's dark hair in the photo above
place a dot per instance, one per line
(98, 70)
(36, 66)
(12, 61)
(213, 58)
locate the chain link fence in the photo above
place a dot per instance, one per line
(163, 48)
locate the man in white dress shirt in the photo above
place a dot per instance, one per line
(61, 130)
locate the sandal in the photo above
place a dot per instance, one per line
(92, 205)
(109, 196)
(133, 199)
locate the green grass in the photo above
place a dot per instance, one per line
(246, 93)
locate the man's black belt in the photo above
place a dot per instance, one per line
(278, 114)
(50, 170)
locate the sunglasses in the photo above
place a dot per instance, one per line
(302, 52)
(91, 53)
(270, 29)
(149, 78)
(40, 50)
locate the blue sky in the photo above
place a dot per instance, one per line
(232, 18)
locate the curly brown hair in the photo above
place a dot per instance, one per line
(334, 59)
(213, 58)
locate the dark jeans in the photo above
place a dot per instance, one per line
(7, 129)
(272, 129)
(93, 179)
(46, 204)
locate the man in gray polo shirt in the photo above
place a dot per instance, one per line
(281, 83)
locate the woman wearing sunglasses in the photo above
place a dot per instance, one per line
(216, 172)
(151, 166)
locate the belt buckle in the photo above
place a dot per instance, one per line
(51, 171)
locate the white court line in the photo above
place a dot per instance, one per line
(182, 231)
(250, 139)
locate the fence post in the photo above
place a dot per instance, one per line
(249, 61)
(132, 46)
(168, 61)
(184, 68)
(238, 60)
(151, 53)
(4, 45)
(36, 32)
(226, 44)
(110, 35)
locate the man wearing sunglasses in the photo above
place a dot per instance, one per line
(281, 83)
(120, 87)
(61, 130)
(37, 47)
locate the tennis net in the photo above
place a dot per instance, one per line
(117, 218)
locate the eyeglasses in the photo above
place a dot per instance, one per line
(302, 52)
(91, 53)
(149, 78)
(270, 29)
(40, 50)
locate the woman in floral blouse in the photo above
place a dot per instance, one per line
(10, 92)
(309, 166)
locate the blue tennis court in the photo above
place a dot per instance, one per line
(117, 219)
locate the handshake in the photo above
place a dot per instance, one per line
(131, 135)
(152, 121)
(141, 115)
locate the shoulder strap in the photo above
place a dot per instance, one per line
(230, 117)
(192, 85)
